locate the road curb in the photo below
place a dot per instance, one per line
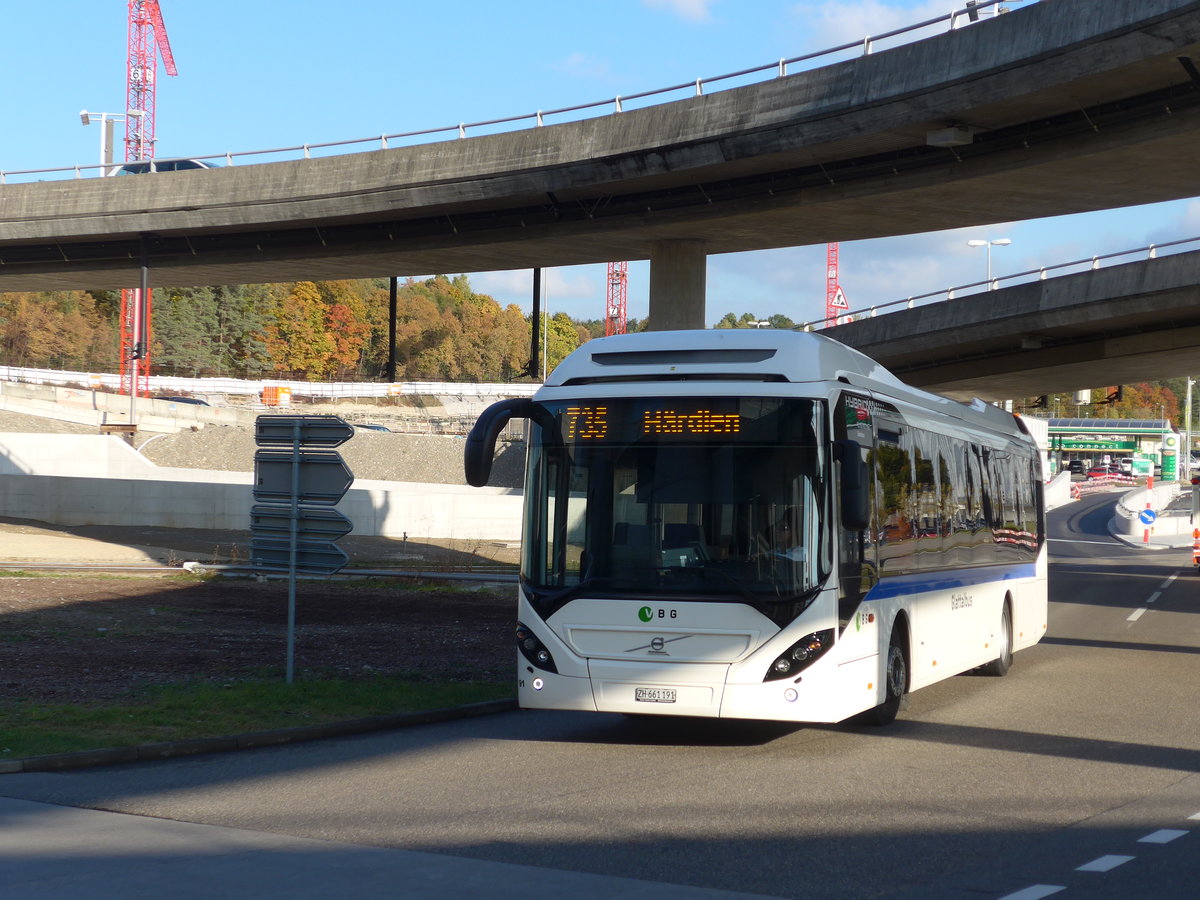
(83, 759)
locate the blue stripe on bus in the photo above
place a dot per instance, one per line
(919, 582)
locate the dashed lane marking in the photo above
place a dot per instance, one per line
(1104, 863)
(1162, 836)
(1035, 892)
(1136, 614)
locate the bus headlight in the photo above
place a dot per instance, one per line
(534, 650)
(800, 655)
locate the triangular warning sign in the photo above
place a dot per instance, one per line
(839, 300)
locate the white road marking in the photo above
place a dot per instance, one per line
(1195, 816)
(1035, 892)
(1166, 584)
(1136, 614)
(1162, 836)
(1104, 863)
(1154, 596)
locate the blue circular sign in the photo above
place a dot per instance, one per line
(1147, 516)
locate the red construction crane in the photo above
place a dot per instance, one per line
(147, 41)
(835, 300)
(614, 308)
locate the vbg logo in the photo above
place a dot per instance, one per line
(646, 613)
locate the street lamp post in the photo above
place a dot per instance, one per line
(999, 242)
(107, 121)
(1186, 455)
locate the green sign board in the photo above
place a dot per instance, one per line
(1065, 444)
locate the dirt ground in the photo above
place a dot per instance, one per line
(80, 639)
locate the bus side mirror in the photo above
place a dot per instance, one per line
(856, 496)
(481, 441)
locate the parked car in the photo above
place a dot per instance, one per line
(194, 400)
(1076, 467)
(1100, 471)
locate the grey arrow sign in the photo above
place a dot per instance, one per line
(323, 478)
(312, 557)
(312, 522)
(312, 431)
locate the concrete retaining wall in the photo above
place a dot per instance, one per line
(87, 407)
(1125, 519)
(100, 480)
(1058, 491)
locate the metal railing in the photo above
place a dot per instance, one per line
(977, 287)
(614, 105)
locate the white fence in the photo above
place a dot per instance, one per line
(241, 388)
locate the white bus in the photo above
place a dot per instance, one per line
(761, 524)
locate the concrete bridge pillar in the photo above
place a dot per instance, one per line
(678, 276)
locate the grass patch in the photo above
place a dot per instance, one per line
(188, 712)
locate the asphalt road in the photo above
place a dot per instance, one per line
(1078, 772)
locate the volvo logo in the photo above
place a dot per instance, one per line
(658, 645)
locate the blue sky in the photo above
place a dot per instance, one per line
(258, 75)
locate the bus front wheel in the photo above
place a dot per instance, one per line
(895, 679)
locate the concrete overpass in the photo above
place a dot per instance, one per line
(1130, 323)
(1058, 107)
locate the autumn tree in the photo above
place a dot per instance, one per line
(55, 329)
(296, 337)
(348, 327)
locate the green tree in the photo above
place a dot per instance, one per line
(185, 322)
(562, 337)
(745, 320)
(243, 314)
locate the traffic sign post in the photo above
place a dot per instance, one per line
(1147, 517)
(298, 477)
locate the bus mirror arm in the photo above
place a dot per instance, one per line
(481, 441)
(856, 508)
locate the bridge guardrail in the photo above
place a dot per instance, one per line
(616, 105)
(1041, 273)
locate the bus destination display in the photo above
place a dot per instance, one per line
(592, 423)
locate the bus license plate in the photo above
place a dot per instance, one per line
(654, 695)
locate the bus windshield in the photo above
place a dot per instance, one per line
(715, 499)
